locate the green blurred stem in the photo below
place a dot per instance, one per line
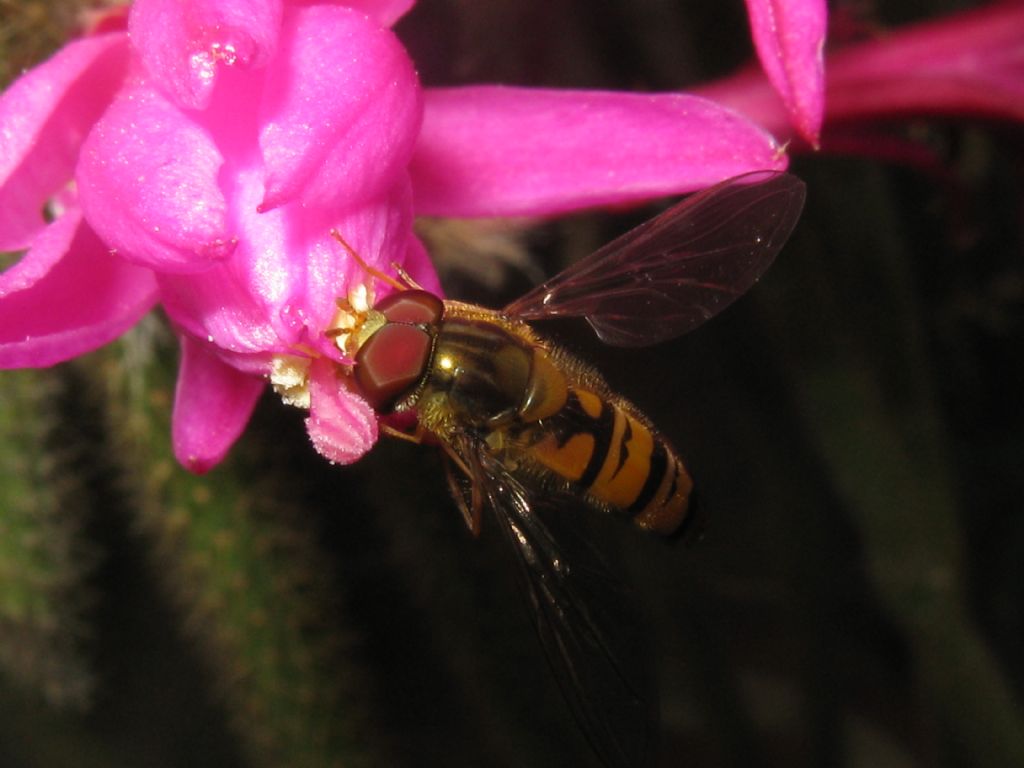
(245, 573)
(36, 735)
(901, 488)
(43, 559)
(865, 382)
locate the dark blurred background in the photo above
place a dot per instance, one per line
(854, 424)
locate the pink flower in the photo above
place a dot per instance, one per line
(201, 161)
(964, 65)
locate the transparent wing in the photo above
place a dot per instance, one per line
(587, 621)
(677, 270)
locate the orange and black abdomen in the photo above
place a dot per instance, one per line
(608, 450)
(541, 408)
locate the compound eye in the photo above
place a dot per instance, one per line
(411, 306)
(391, 363)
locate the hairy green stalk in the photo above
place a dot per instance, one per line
(44, 561)
(243, 569)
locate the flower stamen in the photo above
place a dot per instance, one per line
(289, 376)
(349, 322)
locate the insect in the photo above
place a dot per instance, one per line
(526, 427)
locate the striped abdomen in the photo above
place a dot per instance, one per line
(544, 408)
(607, 449)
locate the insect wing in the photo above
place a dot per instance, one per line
(586, 620)
(677, 270)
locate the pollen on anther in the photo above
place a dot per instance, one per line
(341, 342)
(289, 376)
(360, 298)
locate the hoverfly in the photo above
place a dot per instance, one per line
(524, 425)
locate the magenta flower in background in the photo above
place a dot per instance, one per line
(967, 64)
(201, 161)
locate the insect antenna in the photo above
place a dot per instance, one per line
(373, 271)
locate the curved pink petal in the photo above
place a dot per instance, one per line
(231, 304)
(218, 306)
(147, 179)
(183, 43)
(46, 253)
(341, 424)
(385, 12)
(67, 296)
(340, 112)
(790, 37)
(44, 116)
(212, 404)
(496, 151)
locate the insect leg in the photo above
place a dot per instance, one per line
(416, 437)
(471, 507)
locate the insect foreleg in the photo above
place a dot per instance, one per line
(412, 437)
(470, 508)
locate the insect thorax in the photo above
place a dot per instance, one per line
(481, 371)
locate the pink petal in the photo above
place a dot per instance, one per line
(384, 12)
(750, 94)
(183, 43)
(496, 151)
(147, 179)
(340, 112)
(67, 296)
(790, 37)
(212, 405)
(44, 117)
(341, 424)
